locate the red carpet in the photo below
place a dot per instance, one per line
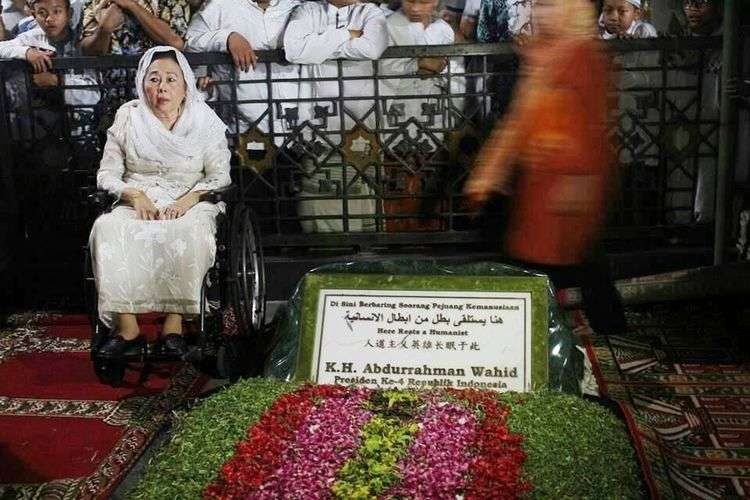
(63, 433)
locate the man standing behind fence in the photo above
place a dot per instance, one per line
(555, 131)
(132, 26)
(320, 32)
(241, 28)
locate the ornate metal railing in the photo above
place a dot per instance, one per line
(376, 167)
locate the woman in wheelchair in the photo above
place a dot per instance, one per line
(152, 251)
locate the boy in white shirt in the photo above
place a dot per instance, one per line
(417, 22)
(704, 19)
(53, 37)
(622, 19)
(319, 32)
(29, 22)
(241, 27)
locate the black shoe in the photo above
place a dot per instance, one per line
(174, 345)
(117, 347)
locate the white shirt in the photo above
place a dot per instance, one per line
(427, 111)
(386, 10)
(401, 31)
(208, 32)
(37, 38)
(317, 35)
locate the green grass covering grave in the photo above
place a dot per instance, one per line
(576, 449)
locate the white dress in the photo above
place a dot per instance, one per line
(143, 266)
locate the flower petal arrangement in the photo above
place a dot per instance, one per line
(335, 442)
(346, 442)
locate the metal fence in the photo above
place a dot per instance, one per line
(369, 155)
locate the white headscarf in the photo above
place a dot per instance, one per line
(197, 128)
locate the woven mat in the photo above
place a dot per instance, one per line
(683, 384)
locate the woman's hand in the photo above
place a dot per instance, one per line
(180, 207)
(141, 203)
(479, 189)
(476, 195)
(241, 51)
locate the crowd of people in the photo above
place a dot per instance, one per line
(313, 34)
(131, 26)
(170, 125)
(323, 40)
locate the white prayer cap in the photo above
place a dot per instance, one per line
(635, 3)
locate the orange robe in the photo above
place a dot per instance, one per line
(559, 203)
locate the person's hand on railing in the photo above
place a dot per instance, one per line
(40, 60)
(241, 51)
(46, 79)
(429, 66)
(203, 83)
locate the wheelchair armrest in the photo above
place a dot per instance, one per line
(98, 199)
(227, 194)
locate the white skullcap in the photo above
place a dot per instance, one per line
(635, 3)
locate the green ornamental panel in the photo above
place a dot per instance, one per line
(361, 335)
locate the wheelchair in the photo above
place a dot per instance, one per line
(226, 338)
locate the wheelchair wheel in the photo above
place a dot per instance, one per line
(247, 273)
(109, 372)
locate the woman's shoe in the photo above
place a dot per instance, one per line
(174, 345)
(117, 347)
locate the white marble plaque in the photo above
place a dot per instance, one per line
(423, 339)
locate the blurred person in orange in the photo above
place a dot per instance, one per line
(552, 152)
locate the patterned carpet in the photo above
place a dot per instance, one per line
(683, 383)
(62, 433)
